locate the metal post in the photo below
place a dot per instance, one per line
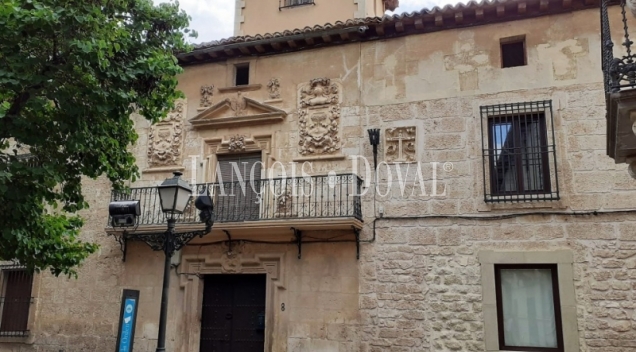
(163, 316)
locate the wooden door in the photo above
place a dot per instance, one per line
(233, 314)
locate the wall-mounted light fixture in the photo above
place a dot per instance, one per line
(374, 140)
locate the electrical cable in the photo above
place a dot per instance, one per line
(500, 216)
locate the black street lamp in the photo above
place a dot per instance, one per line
(619, 73)
(174, 194)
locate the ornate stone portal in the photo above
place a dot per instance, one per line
(400, 144)
(319, 118)
(165, 139)
(235, 262)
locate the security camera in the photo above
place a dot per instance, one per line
(124, 213)
(362, 29)
(205, 205)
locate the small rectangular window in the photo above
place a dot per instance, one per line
(291, 3)
(518, 152)
(15, 300)
(513, 52)
(528, 307)
(242, 76)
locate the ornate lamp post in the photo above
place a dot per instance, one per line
(174, 194)
(619, 73)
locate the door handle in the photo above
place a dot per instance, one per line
(260, 321)
(228, 316)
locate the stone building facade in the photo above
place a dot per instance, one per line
(431, 258)
(252, 17)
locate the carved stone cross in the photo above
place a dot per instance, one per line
(402, 139)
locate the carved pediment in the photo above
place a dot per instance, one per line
(237, 111)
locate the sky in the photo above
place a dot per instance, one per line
(214, 19)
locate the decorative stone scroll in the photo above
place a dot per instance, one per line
(206, 95)
(319, 118)
(236, 144)
(165, 139)
(273, 88)
(400, 144)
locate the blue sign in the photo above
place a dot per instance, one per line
(127, 318)
(127, 323)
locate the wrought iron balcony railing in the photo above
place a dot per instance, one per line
(619, 73)
(282, 4)
(315, 197)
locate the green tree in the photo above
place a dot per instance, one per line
(71, 73)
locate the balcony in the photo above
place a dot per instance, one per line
(261, 208)
(619, 75)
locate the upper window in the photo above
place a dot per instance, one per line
(290, 3)
(238, 187)
(242, 75)
(528, 308)
(519, 152)
(513, 51)
(15, 300)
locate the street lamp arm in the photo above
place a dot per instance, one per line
(166, 242)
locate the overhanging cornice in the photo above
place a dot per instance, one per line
(377, 28)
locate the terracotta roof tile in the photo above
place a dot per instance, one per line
(447, 13)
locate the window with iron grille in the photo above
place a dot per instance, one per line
(519, 152)
(291, 3)
(15, 300)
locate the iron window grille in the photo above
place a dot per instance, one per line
(293, 3)
(15, 300)
(519, 155)
(510, 313)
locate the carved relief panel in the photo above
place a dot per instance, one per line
(236, 144)
(165, 139)
(319, 118)
(273, 88)
(400, 144)
(206, 95)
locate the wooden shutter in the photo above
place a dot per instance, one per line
(232, 204)
(16, 301)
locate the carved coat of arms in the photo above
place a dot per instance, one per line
(319, 117)
(165, 139)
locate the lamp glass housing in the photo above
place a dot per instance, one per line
(174, 194)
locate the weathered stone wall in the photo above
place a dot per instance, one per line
(418, 286)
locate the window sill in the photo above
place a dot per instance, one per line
(243, 88)
(27, 340)
(554, 204)
(296, 5)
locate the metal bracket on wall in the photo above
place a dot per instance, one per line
(229, 240)
(357, 233)
(122, 245)
(299, 240)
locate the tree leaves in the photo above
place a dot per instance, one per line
(71, 73)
